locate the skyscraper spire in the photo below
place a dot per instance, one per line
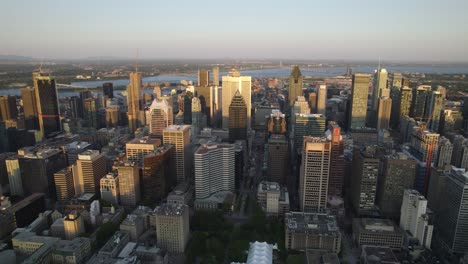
(136, 61)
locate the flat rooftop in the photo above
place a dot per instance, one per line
(376, 255)
(300, 222)
(171, 209)
(145, 141)
(177, 127)
(203, 149)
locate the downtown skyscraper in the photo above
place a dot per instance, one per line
(47, 103)
(237, 118)
(161, 116)
(314, 174)
(135, 114)
(359, 92)
(295, 85)
(231, 84)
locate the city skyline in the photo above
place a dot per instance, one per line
(210, 30)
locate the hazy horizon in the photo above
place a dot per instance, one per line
(415, 31)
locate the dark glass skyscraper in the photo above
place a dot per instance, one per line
(237, 118)
(47, 103)
(108, 90)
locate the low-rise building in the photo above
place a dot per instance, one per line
(378, 255)
(182, 194)
(133, 225)
(75, 251)
(377, 232)
(312, 231)
(273, 199)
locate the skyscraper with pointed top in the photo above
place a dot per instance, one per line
(237, 118)
(231, 84)
(135, 115)
(379, 87)
(295, 85)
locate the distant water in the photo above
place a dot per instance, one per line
(267, 73)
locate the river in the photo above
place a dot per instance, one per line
(269, 73)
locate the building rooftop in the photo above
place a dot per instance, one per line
(177, 127)
(310, 115)
(205, 148)
(25, 202)
(71, 245)
(127, 250)
(146, 141)
(300, 222)
(38, 152)
(376, 225)
(88, 154)
(113, 242)
(377, 255)
(171, 209)
(218, 197)
(265, 186)
(77, 145)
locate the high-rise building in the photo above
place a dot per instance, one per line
(276, 123)
(322, 99)
(215, 76)
(395, 94)
(91, 167)
(14, 176)
(423, 146)
(138, 148)
(314, 173)
(28, 97)
(238, 118)
(161, 116)
(134, 104)
(231, 84)
(398, 174)
(73, 225)
(308, 125)
(179, 136)
(38, 167)
(110, 192)
(414, 217)
(433, 111)
(365, 170)
(337, 159)
(313, 103)
(359, 93)
(278, 159)
(64, 184)
(397, 80)
(47, 103)
(207, 96)
(8, 109)
(301, 106)
(452, 227)
(383, 114)
(444, 153)
(404, 102)
(90, 112)
(198, 117)
(108, 89)
(418, 105)
(214, 169)
(379, 87)
(203, 78)
(112, 116)
(158, 174)
(187, 108)
(172, 227)
(295, 85)
(129, 182)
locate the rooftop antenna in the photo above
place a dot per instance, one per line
(136, 61)
(379, 65)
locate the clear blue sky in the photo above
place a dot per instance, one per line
(286, 29)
